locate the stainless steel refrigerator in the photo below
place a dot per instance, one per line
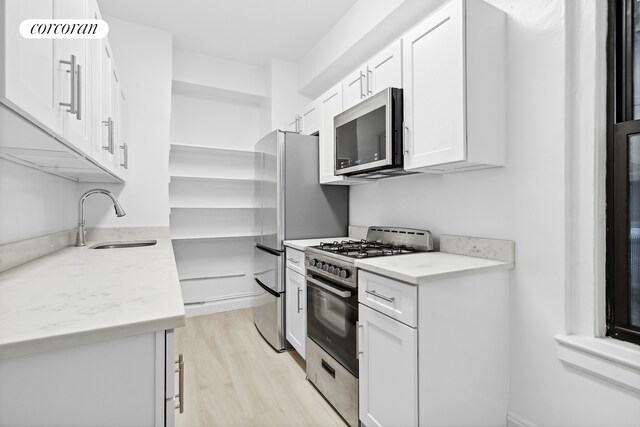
(293, 205)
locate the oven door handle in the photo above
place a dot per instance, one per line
(327, 287)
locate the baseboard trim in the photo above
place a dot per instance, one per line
(514, 420)
(222, 303)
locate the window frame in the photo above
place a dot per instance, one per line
(620, 124)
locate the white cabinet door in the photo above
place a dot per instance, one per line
(115, 117)
(434, 88)
(385, 69)
(353, 88)
(388, 367)
(293, 125)
(296, 307)
(309, 119)
(102, 117)
(76, 127)
(330, 105)
(28, 64)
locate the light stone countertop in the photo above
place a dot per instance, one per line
(460, 255)
(301, 245)
(425, 267)
(79, 296)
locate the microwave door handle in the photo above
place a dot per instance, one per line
(329, 288)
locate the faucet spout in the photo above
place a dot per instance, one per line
(80, 236)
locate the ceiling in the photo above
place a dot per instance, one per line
(248, 31)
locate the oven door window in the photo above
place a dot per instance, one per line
(362, 140)
(331, 323)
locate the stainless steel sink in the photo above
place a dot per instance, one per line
(129, 244)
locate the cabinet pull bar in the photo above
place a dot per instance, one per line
(180, 371)
(125, 148)
(359, 328)
(79, 94)
(369, 79)
(293, 260)
(109, 124)
(299, 291)
(361, 85)
(375, 294)
(72, 101)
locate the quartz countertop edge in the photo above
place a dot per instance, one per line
(421, 268)
(79, 296)
(302, 244)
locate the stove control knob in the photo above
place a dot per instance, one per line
(319, 265)
(345, 274)
(338, 271)
(325, 267)
(312, 262)
(332, 269)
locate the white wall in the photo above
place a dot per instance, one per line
(204, 70)
(285, 101)
(34, 203)
(143, 58)
(525, 202)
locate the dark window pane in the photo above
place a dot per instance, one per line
(634, 229)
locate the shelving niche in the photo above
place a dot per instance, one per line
(212, 198)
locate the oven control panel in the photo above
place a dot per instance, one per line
(338, 270)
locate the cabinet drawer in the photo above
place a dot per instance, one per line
(295, 260)
(391, 297)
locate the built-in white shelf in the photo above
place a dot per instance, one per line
(213, 236)
(208, 150)
(210, 178)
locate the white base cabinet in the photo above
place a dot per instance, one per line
(454, 92)
(296, 301)
(119, 382)
(444, 366)
(388, 370)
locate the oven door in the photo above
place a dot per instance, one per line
(332, 313)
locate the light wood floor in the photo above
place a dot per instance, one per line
(233, 378)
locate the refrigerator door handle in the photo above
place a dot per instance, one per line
(269, 250)
(266, 288)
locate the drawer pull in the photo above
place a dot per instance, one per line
(328, 368)
(293, 260)
(375, 294)
(180, 371)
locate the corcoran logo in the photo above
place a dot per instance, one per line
(64, 28)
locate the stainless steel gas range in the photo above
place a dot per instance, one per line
(332, 309)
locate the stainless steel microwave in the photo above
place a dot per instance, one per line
(368, 137)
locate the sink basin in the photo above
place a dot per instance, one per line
(129, 244)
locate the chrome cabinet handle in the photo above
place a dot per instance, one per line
(359, 328)
(375, 294)
(362, 94)
(405, 139)
(369, 79)
(72, 104)
(299, 307)
(125, 148)
(109, 124)
(293, 260)
(79, 93)
(180, 371)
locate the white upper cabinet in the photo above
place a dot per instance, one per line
(382, 71)
(28, 65)
(309, 119)
(72, 77)
(330, 106)
(454, 96)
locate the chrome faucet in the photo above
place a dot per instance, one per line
(80, 238)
